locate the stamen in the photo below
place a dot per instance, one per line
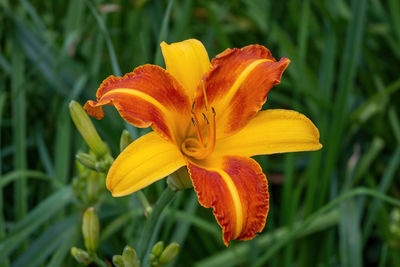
(198, 130)
(205, 118)
(193, 106)
(205, 95)
(200, 148)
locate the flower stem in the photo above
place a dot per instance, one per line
(99, 261)
(166, 196)
(144, 202)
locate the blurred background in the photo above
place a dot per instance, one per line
(333, 207)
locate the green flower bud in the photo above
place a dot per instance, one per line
(93, 186)
(118, 261)
(81, 256)
(90, 229)
(78, 186)
(169, 253)
(129, 257)
(101, 166)
(158, 248)
(394, 226)
(180, 179)
(153, 260)
(126, 139)
(86, 128)
(86, 160)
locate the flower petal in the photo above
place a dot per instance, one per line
(237, 190)
(145, 161)
(272, 131)
(187, 61)
(238, 84)
(148, 96)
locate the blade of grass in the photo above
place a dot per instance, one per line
(347, 73)
(236, 255)
(395, 123)
(48, 241)
(394, 8)
(322, 219)
(62, 252)
(19, 131)
(63, 145)
(15, 175)
(320, 213)
(2, 210)
(104, 31)
(34, 219)
(385, 182)
(163, 32)
(182, 227)
(44, 153)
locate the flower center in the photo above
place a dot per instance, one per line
(199, 147)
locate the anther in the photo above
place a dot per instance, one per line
(213, 111)
(205, 118)
(193, 106)
(194, 123)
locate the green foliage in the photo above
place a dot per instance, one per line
(331, 207)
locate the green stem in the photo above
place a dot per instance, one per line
(161, 203)
(144, 202)
(99, 261)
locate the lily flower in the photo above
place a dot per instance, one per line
(206, 116)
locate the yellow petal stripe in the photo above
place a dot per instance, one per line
(272, 131)
(236, 200)
(145, 161)
(187, 61)
(237, 190)
(238, 82)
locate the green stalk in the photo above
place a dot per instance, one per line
(19, 131)
(144, 202)
(320, 213)
(162, 36)
(161, 203)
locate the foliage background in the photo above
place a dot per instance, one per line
(344, 75)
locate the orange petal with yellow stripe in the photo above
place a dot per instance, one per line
(148, 96)
(237, 190)
(237, 85)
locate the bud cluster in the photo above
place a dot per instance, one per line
(127, 259)
(161, 256)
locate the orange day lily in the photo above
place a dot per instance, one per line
(206, 116)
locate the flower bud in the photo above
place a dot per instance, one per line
(169, 253)
(129, 257)
(86, 128)
(80, 256)
(78, 186)
(180, 179)
(394, 225)
(90, 229)
(86, 160)
(101, 166)
(153, 260)
(118, 261)
(158, 248)
(126, 139)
